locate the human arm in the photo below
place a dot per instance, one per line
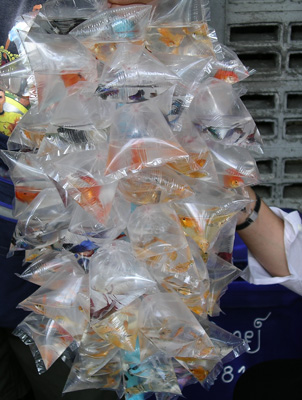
(265, 238)
(275, 233)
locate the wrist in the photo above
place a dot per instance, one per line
(246, 218)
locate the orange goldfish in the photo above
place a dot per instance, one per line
(139, 155)
(233, 178)
(188, 222)
(170, 39)
(90, 198)
(227, 76)
(26, 194)
(72, 78)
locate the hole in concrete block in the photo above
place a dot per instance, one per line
(294, 100)
(295, 61)
(296, 32)
(263, 191)
(265, 166)
(293, 128)
(261, 62)
(254, 33)
(259, 101)
(266, 128)
(293, 191)
(293, 167)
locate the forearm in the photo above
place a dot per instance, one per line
(265, 239)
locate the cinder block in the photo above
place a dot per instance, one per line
(267, 36)
(293, 168)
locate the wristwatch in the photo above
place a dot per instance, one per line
(252, 217)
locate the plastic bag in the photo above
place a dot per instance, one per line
(133, 75)
(198, 40)
(14, 76)
(97, 365)
(224, 243)
(84, 224)
(63, 299)
(50, 339)
(65, 15)
(153, 374)
(69, 140)
(81, 175)
(203, 215)
(155, 230)
(140, 137)
(221, 274)
(61, 64)
(28, 178)
(200, 164)
(172, 328)
(179, 12)
(117, 278)
(44, 267)
(103, 31)
(154, 185)
(82, 110)
(191, 71)
(221, 114)
(121, 327)
(235, 166)
(228, 67)
(43, 222)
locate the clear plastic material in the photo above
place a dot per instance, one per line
(167, 323)
(133, 75)
(81, 176)
(154, 185)
(117, 278)
(44, 267)
(190, 41)
(140, 137)
(50, 339)
(97, 365)
(228, 67)
(221, 114)
(235, 166)
(64, 15)
(63, 299)
(221, 274)
(200, 164)
(179, 12)
(28, 177)
(101, 33)
(203, 215)
(129, 168)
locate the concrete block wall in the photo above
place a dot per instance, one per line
(267, 36)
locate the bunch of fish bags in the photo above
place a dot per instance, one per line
(130, 170)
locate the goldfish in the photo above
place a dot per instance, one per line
(26, 194)
(201, 31)
(72, 78)
(193, 166)
(170, 39)
(103, 51)
(227, 76)
(139, 155)
(233, 178)
(48, 355)
(90, 200)
(200, 373)
(188, 222)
